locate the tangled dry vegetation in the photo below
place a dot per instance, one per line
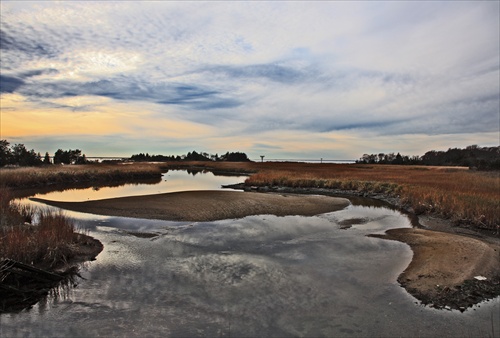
(39, 237)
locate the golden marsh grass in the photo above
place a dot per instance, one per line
(56, 174)
(464, 196)
(32, 236)
(459, 194)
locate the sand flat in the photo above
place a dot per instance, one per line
(197, 206)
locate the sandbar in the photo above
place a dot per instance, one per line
(445, 265)
(207, 205)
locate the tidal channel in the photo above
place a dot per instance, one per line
(256, 276)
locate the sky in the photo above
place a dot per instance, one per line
(287, 80)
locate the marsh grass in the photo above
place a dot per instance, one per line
(466, 197)
(34, 236)
(56, 174)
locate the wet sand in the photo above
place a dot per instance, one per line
(199, 206)
(445, 259)
(444, 266)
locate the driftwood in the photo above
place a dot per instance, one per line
(22, 285)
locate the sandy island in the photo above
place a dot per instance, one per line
(441, 272)
(199, 206)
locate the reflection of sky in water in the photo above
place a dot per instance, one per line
(173, 180)
(256, 276)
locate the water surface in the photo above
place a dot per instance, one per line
(171, 181)
(257, 276)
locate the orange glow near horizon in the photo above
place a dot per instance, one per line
(24, 119)
(88, 116)
(21, 119)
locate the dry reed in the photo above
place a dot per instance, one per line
(464, 196)
(40, 237)
(56, 174)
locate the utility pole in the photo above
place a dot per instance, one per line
(262, 158)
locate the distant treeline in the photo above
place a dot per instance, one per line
(192, 156)
(487, 158)
(18, 155)
(481, 158)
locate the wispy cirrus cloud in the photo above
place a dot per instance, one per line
(190, 96)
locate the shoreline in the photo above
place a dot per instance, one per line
(432, 240)
(441, 274)
(30, 289)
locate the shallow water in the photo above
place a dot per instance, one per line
(171, 181)
(257, 276)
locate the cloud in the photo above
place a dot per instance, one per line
(256, 73)
(197, 97)
(25, 45)
(9, 84)
(273, 72)
(123, 88)
(265, 146)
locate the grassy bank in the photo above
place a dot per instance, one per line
(58, 174)
(40, 239)
(46, 239)
(466, 197)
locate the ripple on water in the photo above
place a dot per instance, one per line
(256, 276)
